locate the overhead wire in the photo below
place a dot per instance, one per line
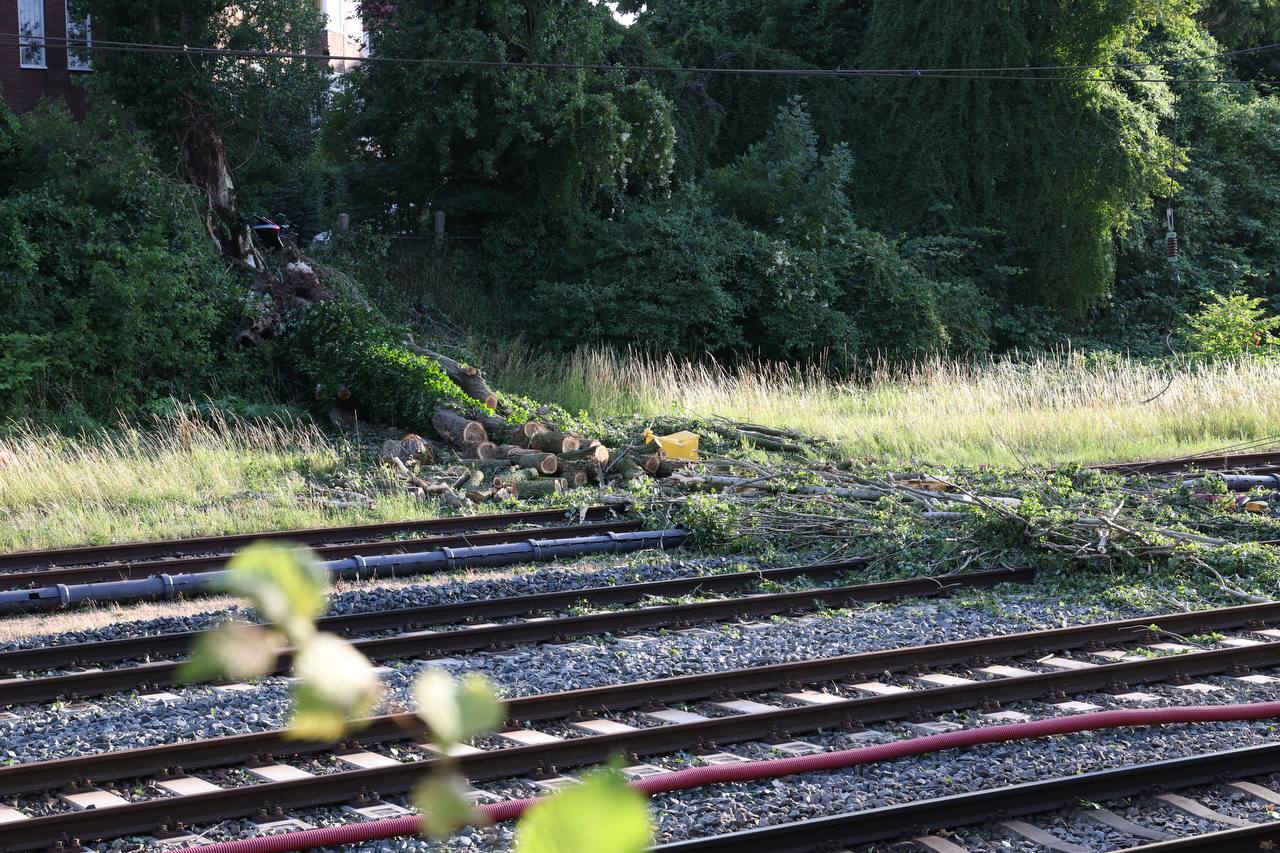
(982, 73)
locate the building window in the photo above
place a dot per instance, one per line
(79, 39)
(31, 34)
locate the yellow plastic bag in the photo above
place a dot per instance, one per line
(678, 445)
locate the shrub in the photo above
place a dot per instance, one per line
(770, 260)
(662, 278)
(344, 344)
(1231, 327)
(110, 289)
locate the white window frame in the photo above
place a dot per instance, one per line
(76, 36)
(31, 43)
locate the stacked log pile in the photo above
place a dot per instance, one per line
(488, 459)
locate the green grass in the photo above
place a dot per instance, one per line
(179, 477)
(1049, 410)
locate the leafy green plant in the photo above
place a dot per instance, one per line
(110, 291)
(1231, 327)
(342, 344)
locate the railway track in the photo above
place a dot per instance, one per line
(1260, 461)
(534, 628)
(702, 714)
(139, 559)
(1001, 806)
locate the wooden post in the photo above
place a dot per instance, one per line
(344, 222)
(439, 227)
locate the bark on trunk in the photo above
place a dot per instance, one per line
(468, 378)
(554, 442)
(598, 454)
(456, 429)
(540, 488)
(543, 463)
(205, 159)
(478, 450)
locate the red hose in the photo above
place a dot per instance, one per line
(750, 771)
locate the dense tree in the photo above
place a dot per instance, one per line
(492, 140)
(109, 291)
(769, 260)
(214, 111)
(1058, 165)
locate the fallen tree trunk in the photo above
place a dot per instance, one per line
(468, 378)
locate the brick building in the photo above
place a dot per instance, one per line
(31, 69)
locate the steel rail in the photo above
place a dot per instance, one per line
(16, 691)
(545, 758)
(125, 551)
(780, 724)
(1206, 462)
(891, 823)
(1261, 837)
(188, 565)
(455, 613)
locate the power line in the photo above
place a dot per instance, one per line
(1021, 73)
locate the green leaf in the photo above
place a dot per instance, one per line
(455, 711)
(286, 585)
(479, 707)
(602, 815)
(443, 805)
(336, 685)
(232, 650)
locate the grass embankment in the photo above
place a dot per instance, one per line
(1049, 410)
(179, 477)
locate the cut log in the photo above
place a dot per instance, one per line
(479, 497)
(466, 377)
(543, 463)
(490, 466)
(540, 488)
(469, 479)
(508, 479)
(628, 469)
(511, 451)
(598, 454)
(553, 442)
(478, 450)
(650, 462)
(526, 431)
(577, 475)
(456, 429)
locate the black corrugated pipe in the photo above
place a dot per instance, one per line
(441, 559)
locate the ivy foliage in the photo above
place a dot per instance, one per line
(342, 344)
(110, 291)
(1059, 166)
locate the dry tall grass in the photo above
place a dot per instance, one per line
(1051, 409)
(178, 477)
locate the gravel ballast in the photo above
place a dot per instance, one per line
(121, 722)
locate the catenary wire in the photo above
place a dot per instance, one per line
(1021, 73)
